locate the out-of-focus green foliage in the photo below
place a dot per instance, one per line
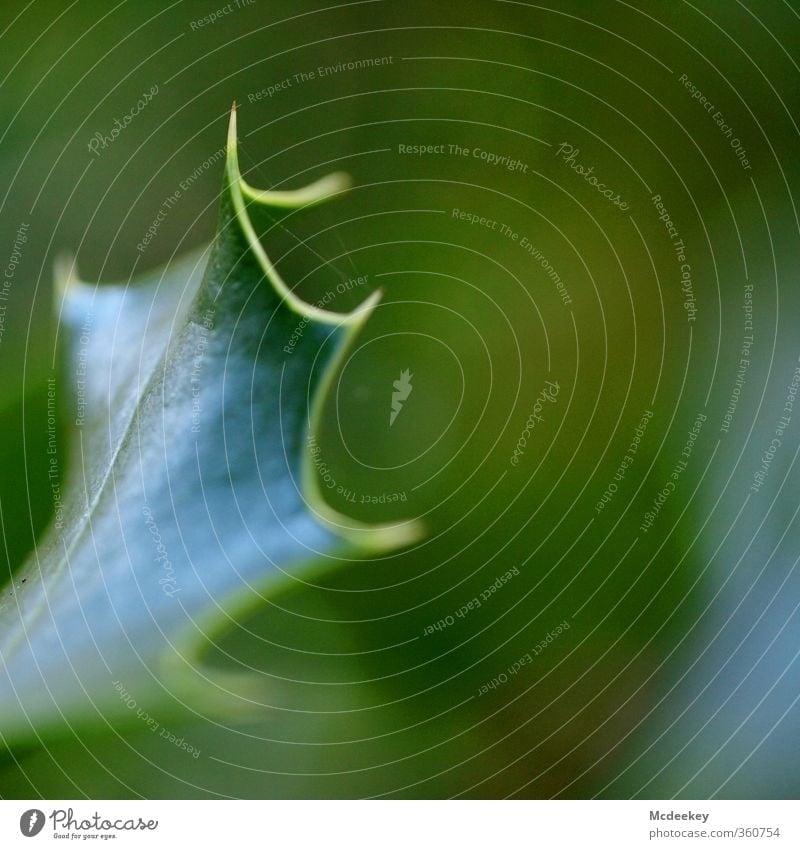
(676, 674)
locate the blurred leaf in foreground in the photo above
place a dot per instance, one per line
(191, 495)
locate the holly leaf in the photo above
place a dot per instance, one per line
(191, 495)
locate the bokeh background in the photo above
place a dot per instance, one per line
(677, 674)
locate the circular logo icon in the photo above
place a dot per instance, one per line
(31, 822)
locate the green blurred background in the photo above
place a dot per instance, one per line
(678, 674)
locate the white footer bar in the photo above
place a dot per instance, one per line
(402, 824)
